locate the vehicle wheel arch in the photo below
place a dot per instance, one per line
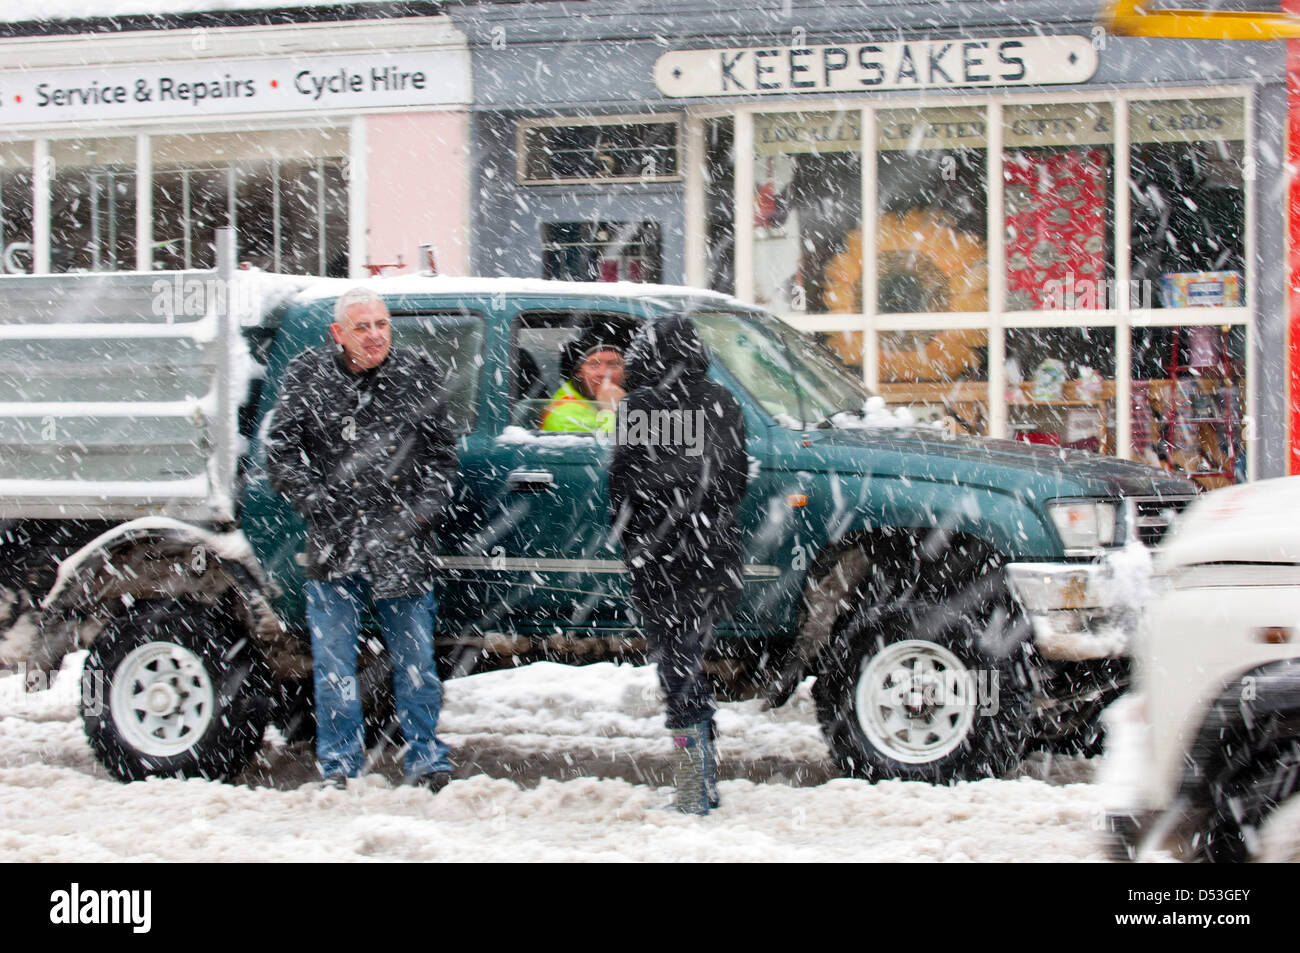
(839, 569)
(164, 563)
(1252, 713)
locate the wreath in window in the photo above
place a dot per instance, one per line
(926, 266)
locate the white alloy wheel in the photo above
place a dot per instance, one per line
(915, 701)
(162, 700)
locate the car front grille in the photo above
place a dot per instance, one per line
(1149, 518)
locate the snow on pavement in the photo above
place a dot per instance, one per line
(556, 763)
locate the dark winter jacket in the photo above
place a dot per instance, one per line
(368, 460)
(674, 492)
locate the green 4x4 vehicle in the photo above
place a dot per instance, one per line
(958, 600)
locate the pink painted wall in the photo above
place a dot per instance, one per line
(417, 171)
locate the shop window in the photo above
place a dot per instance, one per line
(931, 216)
(1059, 214)
(92, 205)
(938, 373)
(1061, 387)
(292, 216)
(930, 257)
(288, 205)
(189, 205)
(16, 208)
(1189, 387)
(1186, 170)
(602, 251)
(807, 207)
(1186, 188)
(598, 151)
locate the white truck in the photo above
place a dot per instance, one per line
(1203, 757)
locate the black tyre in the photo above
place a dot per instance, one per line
(1243, 805)
(911, 695)
(1088, 741)
(169, 690)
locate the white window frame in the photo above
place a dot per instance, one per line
(42, 175)
(996, 321)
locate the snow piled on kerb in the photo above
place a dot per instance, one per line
(603, 721)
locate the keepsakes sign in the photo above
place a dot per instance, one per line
(204, 87)
(847, 68)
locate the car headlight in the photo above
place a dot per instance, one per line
(1084, 524)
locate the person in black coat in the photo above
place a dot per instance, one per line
(678, 474)
(359, 443)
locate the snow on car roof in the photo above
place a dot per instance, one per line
(487, 287)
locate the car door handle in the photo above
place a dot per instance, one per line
(530, 481)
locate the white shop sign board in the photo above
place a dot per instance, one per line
(861, 67)
(204, 87)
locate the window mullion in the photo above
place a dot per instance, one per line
(277, 265)
(1122, 302)
(744, 205)
(997, 372)
(1250, 268)
(186, 225)
(320, 215)
(870, 334)
(143, 203)
(696, 215)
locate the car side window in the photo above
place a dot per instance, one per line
(539, 397)
(454, 342)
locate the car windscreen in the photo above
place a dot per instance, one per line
(793, 379)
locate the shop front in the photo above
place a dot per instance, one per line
(333, 148)
(966, 257)
(1052, 235)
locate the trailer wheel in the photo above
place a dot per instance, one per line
(169, 690)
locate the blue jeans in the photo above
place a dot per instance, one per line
(334, 611)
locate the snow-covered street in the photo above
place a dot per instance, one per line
(556, 763)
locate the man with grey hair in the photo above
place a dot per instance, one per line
(360, 445)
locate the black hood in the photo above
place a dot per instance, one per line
(665, 352)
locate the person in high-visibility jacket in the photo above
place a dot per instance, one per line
(587, 401)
